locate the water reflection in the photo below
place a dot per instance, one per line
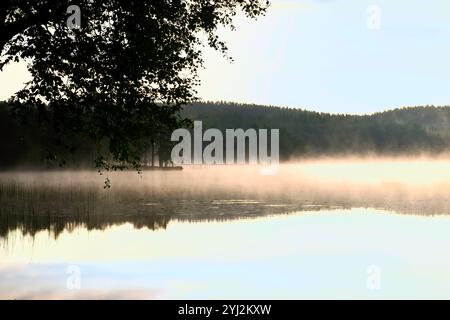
(322, 254)
(294, 235)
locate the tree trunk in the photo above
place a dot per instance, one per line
(153, 153)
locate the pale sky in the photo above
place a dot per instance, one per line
(336, 56)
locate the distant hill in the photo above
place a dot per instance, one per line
(404, 131)
(307, 133)
(430, 117)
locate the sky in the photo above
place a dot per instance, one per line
(338, 56)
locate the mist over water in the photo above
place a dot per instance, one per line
(60, 200)
(418, 184)
(167, 230)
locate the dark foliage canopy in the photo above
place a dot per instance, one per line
(122, 75)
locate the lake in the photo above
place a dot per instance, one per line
(330, 228)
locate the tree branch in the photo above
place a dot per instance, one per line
(44, 14)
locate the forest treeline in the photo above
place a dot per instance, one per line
(306, 133)
(404, 131)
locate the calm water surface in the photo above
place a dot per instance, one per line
(316, 230)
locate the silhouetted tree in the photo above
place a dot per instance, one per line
(122, 74)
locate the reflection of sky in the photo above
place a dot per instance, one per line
(312, 255)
